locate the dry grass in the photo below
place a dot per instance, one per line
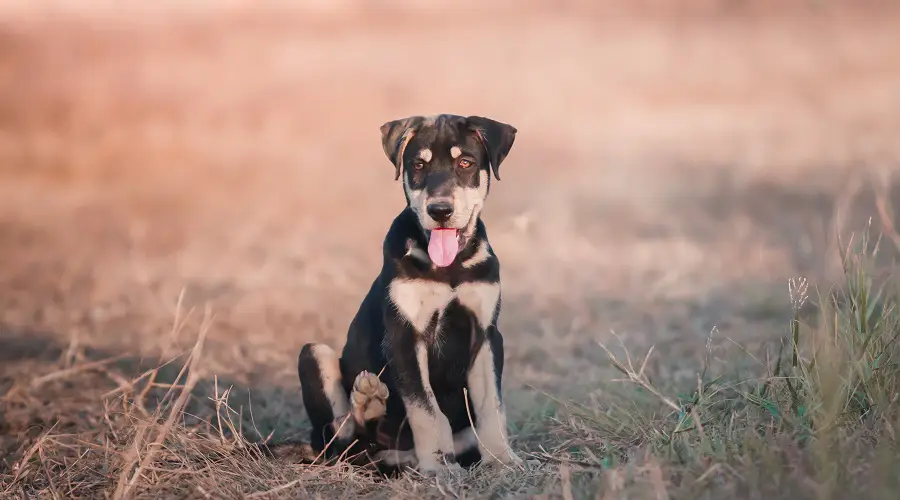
(171, 179)
(816, 420)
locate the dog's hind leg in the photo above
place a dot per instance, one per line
(326, 402)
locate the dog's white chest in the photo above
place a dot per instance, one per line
(418, 300)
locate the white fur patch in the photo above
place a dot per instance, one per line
(455, 152)
(397, 458)
(483, 179)
(425, 155)
(330, 371)
(480, 298)
(481, 255)
(417, 199)
(417, 300)
(488, 409)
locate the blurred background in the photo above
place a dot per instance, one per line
(676, 163)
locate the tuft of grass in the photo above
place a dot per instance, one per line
(816, 420)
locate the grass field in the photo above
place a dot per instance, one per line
(696, 227)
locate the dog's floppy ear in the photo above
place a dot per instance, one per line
(395, 135)
(496, 137)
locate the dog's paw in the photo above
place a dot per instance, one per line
(397, 458)
(510, 458)
(440, 470)
(498, 459)
(368, 398)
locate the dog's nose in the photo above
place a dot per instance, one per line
(440, 211)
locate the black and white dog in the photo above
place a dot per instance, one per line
(428, 325)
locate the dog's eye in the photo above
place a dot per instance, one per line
(419, 165)
(464, 163)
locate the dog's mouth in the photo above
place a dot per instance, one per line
(443, 245)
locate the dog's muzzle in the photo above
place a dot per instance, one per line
(440, 211)
(445, 241)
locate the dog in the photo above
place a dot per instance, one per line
(428, 325)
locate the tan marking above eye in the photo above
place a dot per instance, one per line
(455, 152)
(425, 155)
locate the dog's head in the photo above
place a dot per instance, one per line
(445, 162)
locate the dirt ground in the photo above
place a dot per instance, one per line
(675, 164)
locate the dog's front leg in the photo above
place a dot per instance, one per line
(432, 435)
(484, 382)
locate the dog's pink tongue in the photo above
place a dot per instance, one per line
(442, 246)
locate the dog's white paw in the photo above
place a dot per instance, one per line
(507, 458)
(439, 469)
(397, 458)
(510, 458)
(368, 398)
